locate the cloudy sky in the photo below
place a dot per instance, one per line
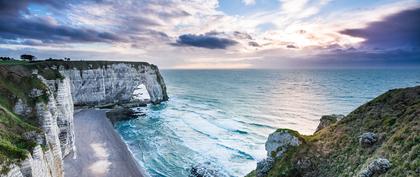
(217, 33)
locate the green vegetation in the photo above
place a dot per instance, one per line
(13, 62)
(83, 65)
(13, 146)
(49, 69)
(18, 83)
(335, 150)
(15, 84)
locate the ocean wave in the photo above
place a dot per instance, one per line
(238, 152)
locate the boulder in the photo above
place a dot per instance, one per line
(35, 93)
(279, 141)
(120, 114)
(206, 169)
(137, 103)
(378, 166)
(368, 139)
(264, 166)
(22, 109)
(327, 120)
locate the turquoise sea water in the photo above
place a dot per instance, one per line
(223, 117)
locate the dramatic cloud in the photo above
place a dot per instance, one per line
(395, 31)
(204, 41)
(47, 32)
(178, 33)
(19, 28)
(11, 8)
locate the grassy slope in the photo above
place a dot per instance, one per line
(335, 150)
(15, 83)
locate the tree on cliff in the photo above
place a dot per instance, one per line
(27, 57)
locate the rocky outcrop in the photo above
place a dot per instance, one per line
(368, 139)
(328, 120)
(349, 147)
(264, 166)
(279, 141)
(120, 114)
(377, 167)
(206, 169)
(277, 144)
(65, 84)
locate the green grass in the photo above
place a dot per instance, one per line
(14, 62)
(13, 147)
(335, 150)
(16, 84)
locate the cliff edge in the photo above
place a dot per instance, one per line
(37, 102)
(380, 138)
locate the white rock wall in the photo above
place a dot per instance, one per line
(14, 172)
(115, 83)
(64, 110)
(48, 114)
(109, 84)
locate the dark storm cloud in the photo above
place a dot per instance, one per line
(13, 7)
(204, 41)
(17, 28)
(43, 30)
(398, 30)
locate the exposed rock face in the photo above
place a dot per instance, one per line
(340, 148)
(378, 166)
(114, 83)
(368, 139)
(63, 103)
(120, 114)
(264, 166)
(279, 141)
(106, 84)
(206, 169)
(40, 164)
(277, 144)
(21, 108)
(327, 120)
(14, 172)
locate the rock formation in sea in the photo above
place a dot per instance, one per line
(37, 103)
(380, 138)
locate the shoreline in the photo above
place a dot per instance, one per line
(101, 152)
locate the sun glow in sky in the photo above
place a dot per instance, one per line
(216, 33)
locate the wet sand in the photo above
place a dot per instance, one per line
(100, 150)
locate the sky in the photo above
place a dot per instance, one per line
(196, 34)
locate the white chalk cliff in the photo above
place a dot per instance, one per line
(113, 82)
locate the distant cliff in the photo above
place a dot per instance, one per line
(380, 138)
(37, 103)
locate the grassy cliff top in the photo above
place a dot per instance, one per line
(48, 69)
(336, 151)
(72, 64)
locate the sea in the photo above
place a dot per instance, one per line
(220, 119)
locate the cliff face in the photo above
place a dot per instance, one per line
(380, 138)
(114, 83)
(48, 102)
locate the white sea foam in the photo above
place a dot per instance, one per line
(219, 118)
